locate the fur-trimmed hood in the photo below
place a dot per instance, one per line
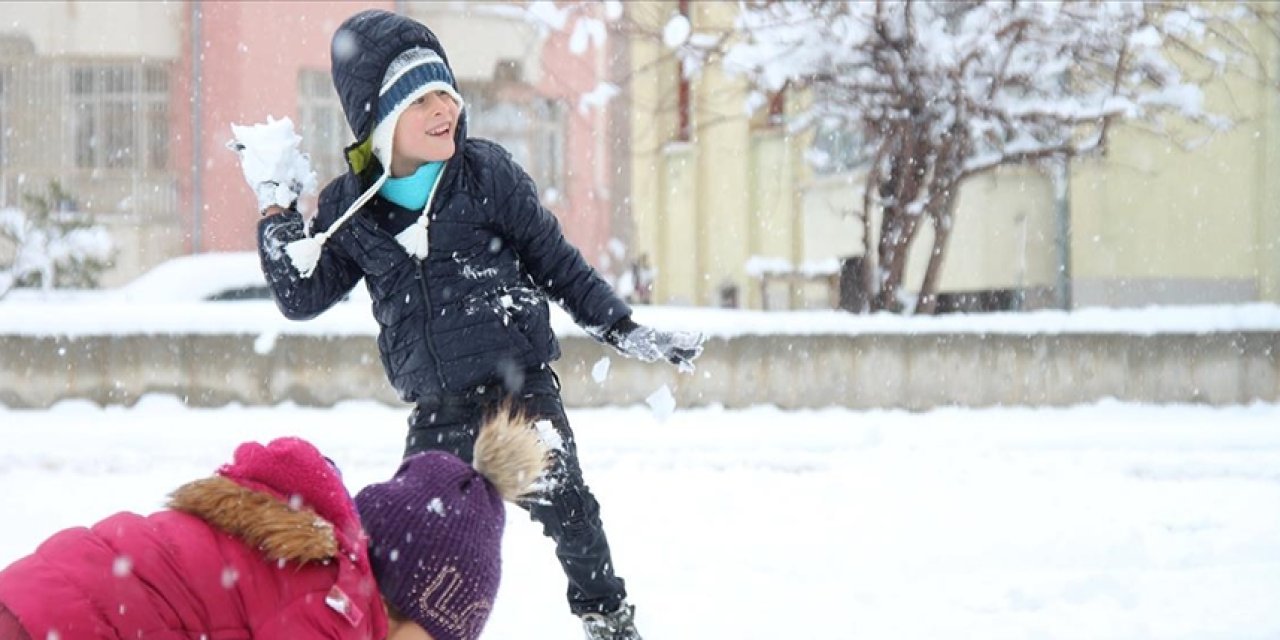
(281, 531)
(284, 497)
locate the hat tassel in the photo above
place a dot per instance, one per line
(414, 238)
(304, 253)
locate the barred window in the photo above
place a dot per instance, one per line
(323, 127)
(530, 127)
(120, 115)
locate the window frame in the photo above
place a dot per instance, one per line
(535, 135)
(322, 124)
(103, 95)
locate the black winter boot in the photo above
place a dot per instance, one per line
(619, 625)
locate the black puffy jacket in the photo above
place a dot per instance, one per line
(475, 309)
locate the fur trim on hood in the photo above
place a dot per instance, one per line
(262, 521)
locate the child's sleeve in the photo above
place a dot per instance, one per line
(335, 274)
(555, 265)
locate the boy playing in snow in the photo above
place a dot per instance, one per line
(459, 259)
(272, 547)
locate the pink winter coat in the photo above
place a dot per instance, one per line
(271, 547)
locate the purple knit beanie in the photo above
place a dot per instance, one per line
(435, 528)
(435, 533)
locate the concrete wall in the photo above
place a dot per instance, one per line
(858, 371)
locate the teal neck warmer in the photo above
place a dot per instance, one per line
(411, 191)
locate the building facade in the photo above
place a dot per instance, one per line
(128, 105)
(717, 193)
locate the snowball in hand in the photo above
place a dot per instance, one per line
(272, 164)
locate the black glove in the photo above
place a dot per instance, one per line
(647, 344)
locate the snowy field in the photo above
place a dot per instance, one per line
(1108, 521)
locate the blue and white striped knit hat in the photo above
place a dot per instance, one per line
(411, 75)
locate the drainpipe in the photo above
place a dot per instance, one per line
(1062, 215)
(197, 126)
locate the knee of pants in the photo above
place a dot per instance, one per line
(571, 509)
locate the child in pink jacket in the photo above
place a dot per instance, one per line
(272, 546)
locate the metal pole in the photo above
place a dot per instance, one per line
(197, 126)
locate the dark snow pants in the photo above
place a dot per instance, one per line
(570, 515)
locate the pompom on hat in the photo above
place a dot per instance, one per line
(436, 526)
(414, 73)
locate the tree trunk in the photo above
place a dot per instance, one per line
(942, 223)
(944, 188)
(899, 230)
(901, 186)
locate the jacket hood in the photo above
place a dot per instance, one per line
(260, 520)
(362, 49)
(283, 497)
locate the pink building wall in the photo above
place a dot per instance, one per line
(252, 54)
(586, 209)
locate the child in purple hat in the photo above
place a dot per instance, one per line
(435, 530)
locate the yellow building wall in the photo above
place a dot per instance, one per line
(777, 225)
(694, 204)
(1004, 236)
(650, 92)
(1154, 222)
(678, 242)
(722, 135)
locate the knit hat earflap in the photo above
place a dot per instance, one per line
(412, 74)
(435, 528)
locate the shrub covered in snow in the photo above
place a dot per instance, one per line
(49, 244)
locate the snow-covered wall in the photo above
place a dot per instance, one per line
(815, 367)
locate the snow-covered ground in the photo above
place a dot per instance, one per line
(1107, 521)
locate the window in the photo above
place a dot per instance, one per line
(837, 148)
(324, 129)
(527, 125)
(156, 113)
(120, 115)
(838, 144)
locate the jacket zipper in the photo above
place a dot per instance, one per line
(422, 282)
